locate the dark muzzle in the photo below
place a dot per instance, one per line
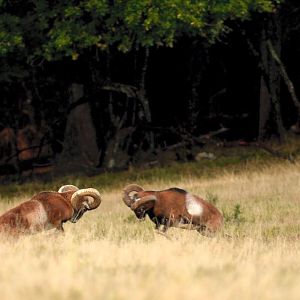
(77, 215)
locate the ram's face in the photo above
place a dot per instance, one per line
(84, 200)
(140, 212)
(143, 203)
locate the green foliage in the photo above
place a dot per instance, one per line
(131, 219)
(10, 34)
(236, 216)
(50, 30)
(237, 213)
(212, 198)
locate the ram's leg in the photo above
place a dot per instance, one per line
(162, 226)
(157, 223)
(166, 223)
(205, 231)
(59, 227)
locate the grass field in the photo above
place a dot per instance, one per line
(108, 254)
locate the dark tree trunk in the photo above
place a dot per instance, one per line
(80, 150)
(270, 119)
(116, 157)
(195, 76)
(264, 110)
(143, 97)
(275, 78)
(120, 137)
(265, 105)
(289, 84)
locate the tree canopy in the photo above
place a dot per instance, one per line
(54, 29)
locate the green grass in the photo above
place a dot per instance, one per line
(229, 160)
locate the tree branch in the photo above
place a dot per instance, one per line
(284, 74)
(129, 90)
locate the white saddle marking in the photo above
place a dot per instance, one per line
(38, 217)
(193, 206)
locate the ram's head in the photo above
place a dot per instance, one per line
(82, 200)
(138, 200)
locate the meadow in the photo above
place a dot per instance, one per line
(109, 254)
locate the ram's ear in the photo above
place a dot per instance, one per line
(147, 202)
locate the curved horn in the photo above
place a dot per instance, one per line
(67, 188)
(91, 203)
(128, 189)
(143, 200)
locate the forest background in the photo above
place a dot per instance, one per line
(100, 85)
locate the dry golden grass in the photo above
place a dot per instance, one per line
(108, 254)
